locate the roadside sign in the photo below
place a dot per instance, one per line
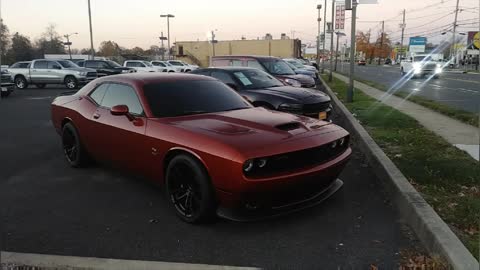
(473, 40)
(417, 44)
(329, 28)
(340, 17)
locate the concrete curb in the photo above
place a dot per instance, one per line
(12, 260)
(428, 226)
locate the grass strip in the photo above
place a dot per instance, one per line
(448, 178)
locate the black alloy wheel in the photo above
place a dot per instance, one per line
(189, 190)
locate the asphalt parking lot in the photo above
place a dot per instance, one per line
(51, 208)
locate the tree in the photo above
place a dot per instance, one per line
(86, 51)
(21, 49)
(109, 48)
(383, 47)
(50, 42)
(3, 38)
(138, 51)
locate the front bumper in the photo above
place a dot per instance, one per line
(85, 80)
(7, 88)
(283, 195)
(314, 112)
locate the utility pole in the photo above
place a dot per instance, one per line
(213, 43)
(352, 52)
(330, 76)
(403, 31)
(69, 44)
(324, 33)
(92, 51)
(319, 20)
(1, 28)
(452, 48)
(168, 16)
(336, 50)
(162, 38)
(381, 43)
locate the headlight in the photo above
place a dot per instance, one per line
(83, 73)
(290, 107)
(248, 165)
(293, 82)
(438, 70)
(252, 164)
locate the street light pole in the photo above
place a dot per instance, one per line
(168, 16)
(330, 76)
(336, 50)
(324, 34)
(162, 38)
(352, 52)
(69, 44)
(452, 48)
(92, 51)
(319, 20)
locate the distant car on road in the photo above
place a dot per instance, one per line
(6, 83)
(141, 66)
(388, 61)
(213, 152)
(421, 65)
(272, 65)
(165, 66)
(362, 62)
(184, 67)
(42, 72)
(264, 90)
(105, 67)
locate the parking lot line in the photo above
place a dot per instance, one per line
(13, 259)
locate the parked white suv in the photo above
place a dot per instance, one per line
(165, 66)
(184, 67)
(141, 66)
(421, 65)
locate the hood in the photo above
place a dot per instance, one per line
(80, 69)
(299, 94)
(304, 72)
(303, 79)
(258, 130)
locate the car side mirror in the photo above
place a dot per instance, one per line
(119, 110)
(233, 86)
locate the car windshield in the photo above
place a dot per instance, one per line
(147, 64)
(278, 67)
(176, 63)
(67, 64)
(422, 58)
(256, 79)
(291, 66)
(177, 98)
(295, 63)
(114, 64)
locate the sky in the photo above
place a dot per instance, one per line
(138, 23)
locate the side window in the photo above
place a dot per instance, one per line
(131, 64)
(254, 64)
(223, 76)
(103, 65)
(119, 94)
(236, 63)
(140, 64)
(91, 64)
(81, 63)
(99, 92)
(53, 65)
(40, 64)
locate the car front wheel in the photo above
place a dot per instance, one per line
(71, 82)
(21, 82)
(189, 190)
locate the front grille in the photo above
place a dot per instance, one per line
(91, 74)
(316, 107)
(430, 66)
(6, 79)
(300, 159)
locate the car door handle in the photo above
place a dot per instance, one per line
(96, 115)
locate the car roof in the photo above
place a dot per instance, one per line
(140, 79)
(246, 56)
(228, 68)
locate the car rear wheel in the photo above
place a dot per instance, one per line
(41, 85)
(189, 190)
(72, 147)
(21, 82)
(71, 82)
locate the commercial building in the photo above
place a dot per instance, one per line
(200, 52)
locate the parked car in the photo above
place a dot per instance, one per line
(302, 71)
(6, 83)
(272, 65)
(421, 65)
(264, 90)
(165, 66)
(213, 152)
(105, 67)
(298, 64)
(388, 61)
(184, 67)
(362, 62)
(141, 66)
(42, 72)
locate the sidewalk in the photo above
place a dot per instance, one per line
(461, 135)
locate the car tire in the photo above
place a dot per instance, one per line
(73, 149)
(21, 82)
(189, 190)
(41, 85)
(71, 82)
(436, 76)
(402, 71)
(187, 70)
(4, 94)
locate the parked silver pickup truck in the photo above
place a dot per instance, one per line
(42, 72)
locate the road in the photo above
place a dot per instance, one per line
(51, 208)
(457, 90)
